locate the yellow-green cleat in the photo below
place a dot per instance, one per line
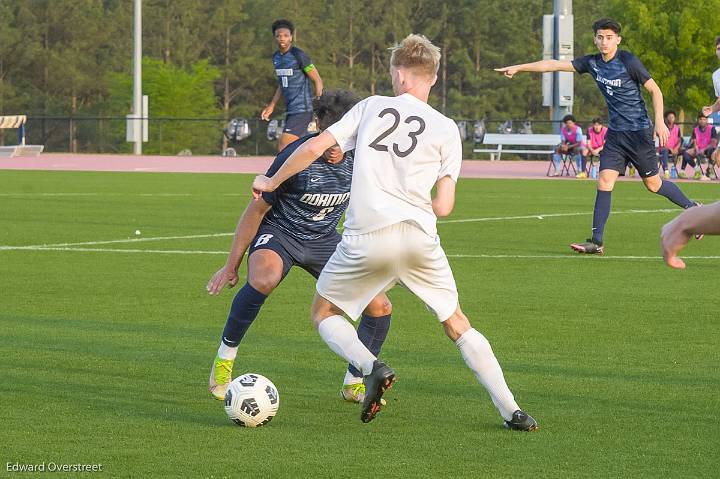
(355, 393)
(220, 377)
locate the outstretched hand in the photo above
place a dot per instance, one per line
(267, 111)
(507, 71)
(223, 277)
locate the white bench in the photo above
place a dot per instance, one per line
(18, 121)
(547, 141)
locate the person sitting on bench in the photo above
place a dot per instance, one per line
(673, 145)
(571, 143)
(702, 142)
(596, 140)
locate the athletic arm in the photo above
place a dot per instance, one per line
(540, 66)
(245, 231)
(317, 81)
(444, 200)
(661, 129)
(267, 111)
(676, 234)
(300, 159)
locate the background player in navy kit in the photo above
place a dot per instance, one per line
(294, 70)
(293, 226)
(619, 75)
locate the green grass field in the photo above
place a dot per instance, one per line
(106, 347)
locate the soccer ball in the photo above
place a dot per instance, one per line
(251, 400)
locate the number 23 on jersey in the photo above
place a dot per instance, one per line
(413, 134)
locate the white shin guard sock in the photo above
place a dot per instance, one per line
(479, 357)
(342, 338)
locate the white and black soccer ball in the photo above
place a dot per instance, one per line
(252, 400)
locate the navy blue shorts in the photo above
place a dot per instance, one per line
(310, 255)
(635, 147)
(297, 123)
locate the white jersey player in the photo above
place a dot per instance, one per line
(715, 107)
(403, 148)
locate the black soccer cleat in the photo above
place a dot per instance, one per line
(377, 382)
(521, 421)
(588, 247)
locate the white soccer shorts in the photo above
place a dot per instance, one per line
(368, 264)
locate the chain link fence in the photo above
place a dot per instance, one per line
(205, 136)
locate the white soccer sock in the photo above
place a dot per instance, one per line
(350, 379)
(342, 338)
(227, 352)
(479, 357)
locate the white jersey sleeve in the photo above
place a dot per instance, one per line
(346, 129)
(716, 82)
(451, 156)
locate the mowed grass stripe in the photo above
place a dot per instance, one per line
(106, 356)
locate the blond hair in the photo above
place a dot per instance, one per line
(416, 53)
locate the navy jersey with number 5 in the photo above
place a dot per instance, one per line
(619, 81)
(309, 205)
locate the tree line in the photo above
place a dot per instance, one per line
(211, 60)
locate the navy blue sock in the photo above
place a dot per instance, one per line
(372, 332)
(671, 191)
(245, 308)
(600, 215)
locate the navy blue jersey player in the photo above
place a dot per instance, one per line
(294, 71)
(293, 226)
(630, 138)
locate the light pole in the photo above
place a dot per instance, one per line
(137, 78)
(563, 50)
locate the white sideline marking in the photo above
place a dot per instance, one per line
(540, 216)
(471, 256)
(128, 240)
(215, 235)
(108, 250)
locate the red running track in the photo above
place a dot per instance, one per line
(218, 164)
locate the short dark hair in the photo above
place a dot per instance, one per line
(701, 115)
(282, 23)
(568, 118)
(607, 24)
(670, 112)
(717, 40)
(597, 120)
(332, 105)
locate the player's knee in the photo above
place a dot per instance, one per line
(456, 325)
(653, 183)
(265, 283)
(605, 185)
(379, 306)
(321, 309)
